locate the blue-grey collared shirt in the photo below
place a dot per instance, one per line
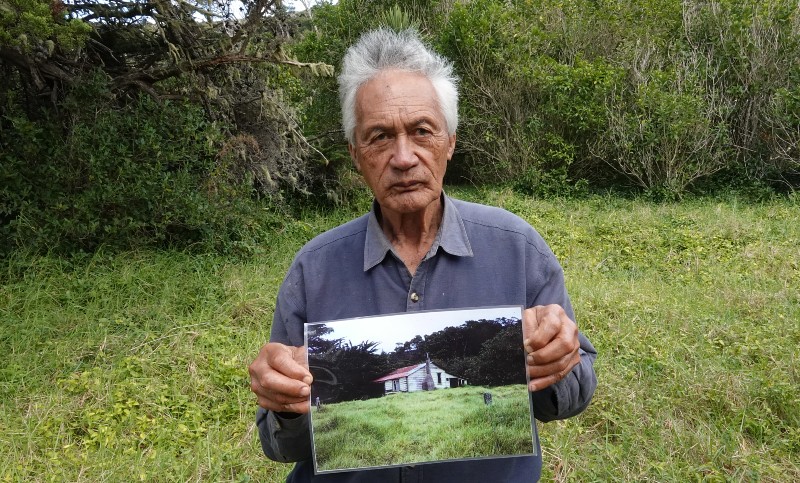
(482, 256)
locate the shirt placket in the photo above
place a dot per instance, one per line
(415, 299)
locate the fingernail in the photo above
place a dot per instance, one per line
(307, 380)
(530, 359)
(532, 387)
(305, 391)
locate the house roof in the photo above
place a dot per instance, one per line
(402, 372)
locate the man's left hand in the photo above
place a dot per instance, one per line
(551, 345)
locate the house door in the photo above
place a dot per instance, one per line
(454, 381)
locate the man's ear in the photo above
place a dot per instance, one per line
(353, 156)
(451, 149)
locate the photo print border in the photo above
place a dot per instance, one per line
(419, 387)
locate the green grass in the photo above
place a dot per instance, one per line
(422, 426)
(133, 366)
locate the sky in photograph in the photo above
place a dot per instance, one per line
(388, 330)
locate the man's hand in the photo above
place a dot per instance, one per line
(280, 378)
(551, 342)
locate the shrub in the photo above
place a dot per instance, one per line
(751, 49)
(666, 132)
(140, 173)
(656, 94)
(527, 115)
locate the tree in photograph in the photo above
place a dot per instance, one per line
(348, 369)
(481, 351)
(501, 360)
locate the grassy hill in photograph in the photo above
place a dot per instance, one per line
(423, 426)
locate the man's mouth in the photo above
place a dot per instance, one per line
(405, 185)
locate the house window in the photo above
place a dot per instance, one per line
(396, 385)
(439, 377)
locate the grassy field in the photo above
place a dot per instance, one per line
(132, 366)
(423, 426)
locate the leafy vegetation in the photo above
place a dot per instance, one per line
(559, 97)
(132, 365)
(658, 95)
(146, 123)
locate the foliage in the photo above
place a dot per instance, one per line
(144, 173)
(667, 136)
(354, 366)
(95, 160)
(559, 95)
(33, 26)
(481, 351)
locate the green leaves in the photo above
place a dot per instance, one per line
(30, 25)
(146, 173)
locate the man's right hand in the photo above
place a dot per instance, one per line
(280, 378)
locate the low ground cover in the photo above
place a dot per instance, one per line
(132, 366)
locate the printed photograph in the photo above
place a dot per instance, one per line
(418, 388)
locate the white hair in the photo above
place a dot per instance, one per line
(385, 49)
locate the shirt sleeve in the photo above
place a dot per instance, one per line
(283, 438)
(572, 394)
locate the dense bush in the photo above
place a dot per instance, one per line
(142, 173)
(163, 124)
(651, 94)
(166, 124)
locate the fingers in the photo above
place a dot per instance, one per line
(551, 344)
(541, 324)
(289, 361)
(280, 379)
(552, 373)
(564, 341)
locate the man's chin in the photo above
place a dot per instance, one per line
(409, 201)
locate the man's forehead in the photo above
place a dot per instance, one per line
(392, 92)
(391, 83)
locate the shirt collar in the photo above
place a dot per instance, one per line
(451, 237)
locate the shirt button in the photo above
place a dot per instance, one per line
(414, 297)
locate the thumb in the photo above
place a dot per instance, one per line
(291, 363)
(530, 323)
(300, 356)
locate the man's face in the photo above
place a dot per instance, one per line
(401, 145)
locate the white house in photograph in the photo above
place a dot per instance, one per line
(412, 378)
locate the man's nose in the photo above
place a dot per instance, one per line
(404, 156)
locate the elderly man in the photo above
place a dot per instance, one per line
(416, 250)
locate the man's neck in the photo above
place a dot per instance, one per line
(413, 234)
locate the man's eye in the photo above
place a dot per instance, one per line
(380, 137)
(421, 131)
